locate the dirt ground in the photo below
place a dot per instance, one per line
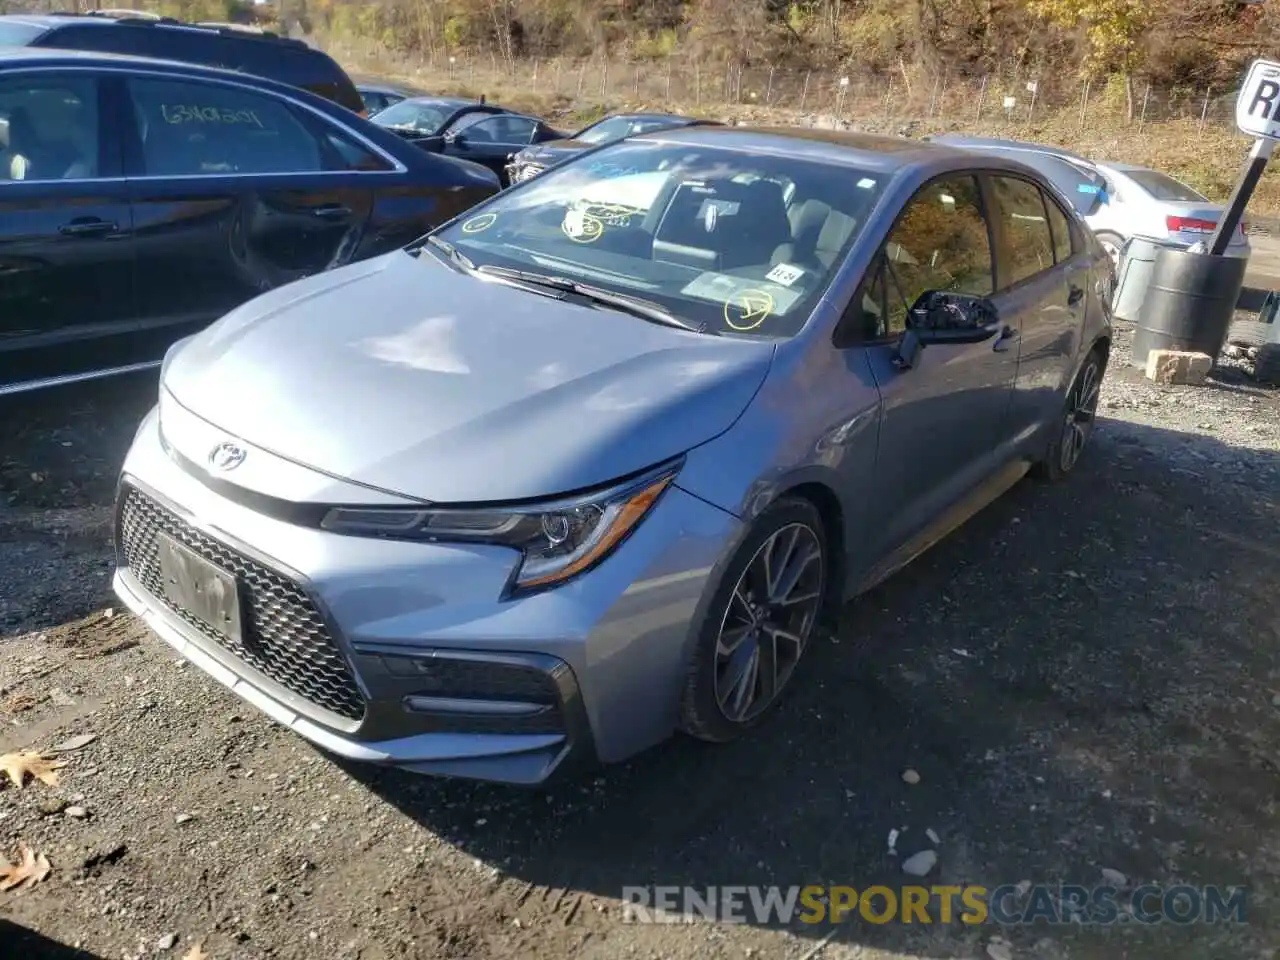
(1086, 676)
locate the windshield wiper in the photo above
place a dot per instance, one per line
(452, 252)
(636, 306)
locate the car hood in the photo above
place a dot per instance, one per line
(402, 374)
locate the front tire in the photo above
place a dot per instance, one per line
(1112, 244)
(1079, 414)
(759, 623)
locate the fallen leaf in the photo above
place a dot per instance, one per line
(196, 953)
(31, 868)
(24, 762)
(19, 702)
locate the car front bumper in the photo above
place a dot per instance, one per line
(405, 654)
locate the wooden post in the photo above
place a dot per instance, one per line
(982, 99)
(697, 82)
(582, 76)
(604, 81)
(668, 97)
(1204, 111)
(768, 90)
(1084, 101)
(804, 94)
(1142, 119)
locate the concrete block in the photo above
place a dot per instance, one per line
(1176, 366)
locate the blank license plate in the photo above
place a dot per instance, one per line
(193, 584)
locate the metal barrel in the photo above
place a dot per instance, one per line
(1136, 261)
(1189, 303)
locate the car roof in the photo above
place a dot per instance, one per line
(56, 57)
(226, 31)
(965, 140)
(836, 147)
(455, 102)
(642, 115)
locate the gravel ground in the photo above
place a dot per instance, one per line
(1085, 677)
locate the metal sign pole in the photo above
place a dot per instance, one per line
(1250, 174)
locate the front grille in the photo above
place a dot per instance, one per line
(284, 636)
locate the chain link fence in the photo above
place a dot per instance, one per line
(1016, 97)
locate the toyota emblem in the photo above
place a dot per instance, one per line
(226, 456)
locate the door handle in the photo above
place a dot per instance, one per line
(88, 227)
(331, 211)
(1004, 339)
(1075, 295)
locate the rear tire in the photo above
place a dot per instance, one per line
(1075, 426)
(1112, 244)
(759, 623)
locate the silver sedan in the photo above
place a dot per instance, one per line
(596, 461)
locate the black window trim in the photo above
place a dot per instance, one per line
(104, 72)
(840, 337)
(997, 224)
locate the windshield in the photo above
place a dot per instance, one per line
(1164, 187)
(18, 34)
(728, 241)
(423, 118)
(615, 128)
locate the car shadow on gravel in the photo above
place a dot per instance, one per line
(18, 941)
(1082, 676)
(60, 455)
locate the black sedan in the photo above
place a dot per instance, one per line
(205, 188)
(379, 96)
(532, 160)
(472, 130)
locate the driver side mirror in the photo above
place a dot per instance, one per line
(940, 317)
(457, 139)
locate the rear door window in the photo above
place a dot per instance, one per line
(49, 128)
(1026, 240)
(1060, 227)
(189, 128)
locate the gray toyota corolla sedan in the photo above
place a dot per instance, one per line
(595, 461)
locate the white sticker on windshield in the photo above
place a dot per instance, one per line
(866, 183)
(785, 274)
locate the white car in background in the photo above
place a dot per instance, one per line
(1118, 200)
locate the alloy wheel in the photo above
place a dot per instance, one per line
(768, 622)
(1112, 251)
(1082, 408)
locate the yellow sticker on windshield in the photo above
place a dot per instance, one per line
(747, 309)
(480, 224)
(192, 113)
(581, 227)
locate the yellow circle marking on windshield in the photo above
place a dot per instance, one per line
(587, 229)
(747, 309)
(480, 224)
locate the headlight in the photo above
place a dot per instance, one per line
(557, 540)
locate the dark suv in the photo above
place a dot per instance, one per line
(141, 200)
(264, 54)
